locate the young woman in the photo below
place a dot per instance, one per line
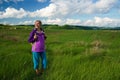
(37, 39)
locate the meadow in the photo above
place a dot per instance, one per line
(71, 55)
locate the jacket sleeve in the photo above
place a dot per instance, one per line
(45, 36)
(31, 37)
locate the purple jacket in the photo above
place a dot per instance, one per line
(39, 43)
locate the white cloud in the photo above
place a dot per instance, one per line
(102, 6)
(15, 1)
(61, 12)
(13, 13)
(102, 22)
(68, 8)
(26, 22)
(53, 21)
(73, 21)
(44, 12)
(62, 22)
(119, 11)
(41, 0)
(1, 1)
(18, 23)
(6, 0)
(97, 21)
(83, 6)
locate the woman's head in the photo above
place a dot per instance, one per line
(38, 24)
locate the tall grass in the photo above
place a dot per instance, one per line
(71, 55)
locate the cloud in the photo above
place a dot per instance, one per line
(1, 1)
(53, 21)
(119, 10)
(96, 21)
(101, 6)
(62, 22)
(64, 11)
(15, 1)
(102, 22)
(13, 13)
(41, 0)
(44, 12)
(73, 21)
(26, 22)
(69, 8)
(84, 6)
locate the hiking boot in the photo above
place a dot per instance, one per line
(41, 71)
(37, 71)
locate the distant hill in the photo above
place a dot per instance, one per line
(55, 26)
(80, 27)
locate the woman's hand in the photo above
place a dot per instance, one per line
(35, 36)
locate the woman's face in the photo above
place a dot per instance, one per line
(37, 24)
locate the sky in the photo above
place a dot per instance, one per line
(101, 13)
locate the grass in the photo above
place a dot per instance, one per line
(71, 55)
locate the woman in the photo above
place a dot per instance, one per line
(37, 39)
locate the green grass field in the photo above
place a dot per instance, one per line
(71, 55)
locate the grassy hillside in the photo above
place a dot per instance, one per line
(71, 55)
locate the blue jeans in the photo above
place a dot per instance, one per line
(36, 59)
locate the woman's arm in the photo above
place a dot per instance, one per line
(31, 37)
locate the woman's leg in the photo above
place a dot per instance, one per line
(36, 56)
(44, 61)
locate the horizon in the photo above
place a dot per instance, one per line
(61, 25)
(99, 13)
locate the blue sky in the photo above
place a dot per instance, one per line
(101, 13)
